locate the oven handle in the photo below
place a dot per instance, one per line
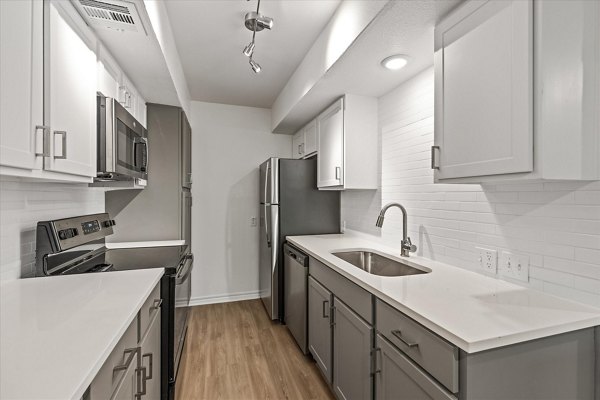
(186, 270)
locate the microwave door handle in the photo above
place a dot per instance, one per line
(144, 143)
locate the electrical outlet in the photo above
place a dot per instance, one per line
(488, 260)
(514, 266)
(252, 221)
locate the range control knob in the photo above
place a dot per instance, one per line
(108, 223)
(67, 233)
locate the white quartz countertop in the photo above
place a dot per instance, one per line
(56, 332)
(470, 310)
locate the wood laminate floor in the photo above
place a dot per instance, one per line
(233, 351)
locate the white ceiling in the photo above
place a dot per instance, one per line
(403, 27)
(210, 36)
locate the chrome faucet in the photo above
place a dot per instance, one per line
(406, 245)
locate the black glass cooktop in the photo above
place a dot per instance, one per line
(102, 260)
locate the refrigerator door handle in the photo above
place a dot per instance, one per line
(267, 227)
(265, 202)
(274, 238)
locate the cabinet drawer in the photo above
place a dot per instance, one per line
(117, 365)
(353, 295)
(438, 357)
(150, 307)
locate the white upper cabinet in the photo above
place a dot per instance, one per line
(304, 142)
(331, 146)
(310, 138)
(298, 144)
(347, 144)
(70, 93)
(21, 82)
(484, 69)
(517, 91)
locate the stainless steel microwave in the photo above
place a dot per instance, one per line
(122, 143)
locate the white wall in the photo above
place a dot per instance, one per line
(556, 223)
(23, 204)
(229, 143)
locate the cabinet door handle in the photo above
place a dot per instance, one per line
(332, 311)
(64, 145)
(142, 377)
(45, 140)
(398, 334)
(131, 352)
(338, 170)
(434, 165)
(299, 149)
(150, 358)
(325, 307)
(375, 366)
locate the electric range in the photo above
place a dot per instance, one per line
(77, 246)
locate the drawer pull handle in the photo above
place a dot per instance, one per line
(157, 303)
(325, 307)
(131, 352)
(398, 334)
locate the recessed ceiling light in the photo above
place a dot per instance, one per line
(395, 62)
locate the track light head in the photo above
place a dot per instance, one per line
(255, 66)
(263, 22)
(249, 49)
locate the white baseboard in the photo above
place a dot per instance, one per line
(224, 298)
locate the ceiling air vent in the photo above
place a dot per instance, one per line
(118, 15)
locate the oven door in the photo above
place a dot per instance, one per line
(183, 290)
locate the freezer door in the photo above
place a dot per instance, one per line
(268, 264)
(269, 181)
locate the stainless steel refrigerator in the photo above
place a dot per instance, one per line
(290, 204)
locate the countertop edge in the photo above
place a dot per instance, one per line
(468, 347)
(104, 356)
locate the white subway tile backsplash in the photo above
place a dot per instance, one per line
(24, 203)
(557, 224)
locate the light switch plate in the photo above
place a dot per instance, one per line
(514, 266)
(488, 260)
(252, 221)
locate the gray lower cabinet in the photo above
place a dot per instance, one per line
(398, 378)
(351, 354)
(319, 326)
(132, 370)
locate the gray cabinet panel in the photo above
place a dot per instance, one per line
(357, 298)
(352, 354)
(398, 378)
(186, 152)
(319, 328)
(556, 367)
(162, 197)
(437, 356)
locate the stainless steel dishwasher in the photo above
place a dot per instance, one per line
(295, 277)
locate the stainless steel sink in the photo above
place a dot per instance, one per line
(377, 264)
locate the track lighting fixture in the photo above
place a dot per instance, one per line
(249, 49)
(255, 66)
(255, 22)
